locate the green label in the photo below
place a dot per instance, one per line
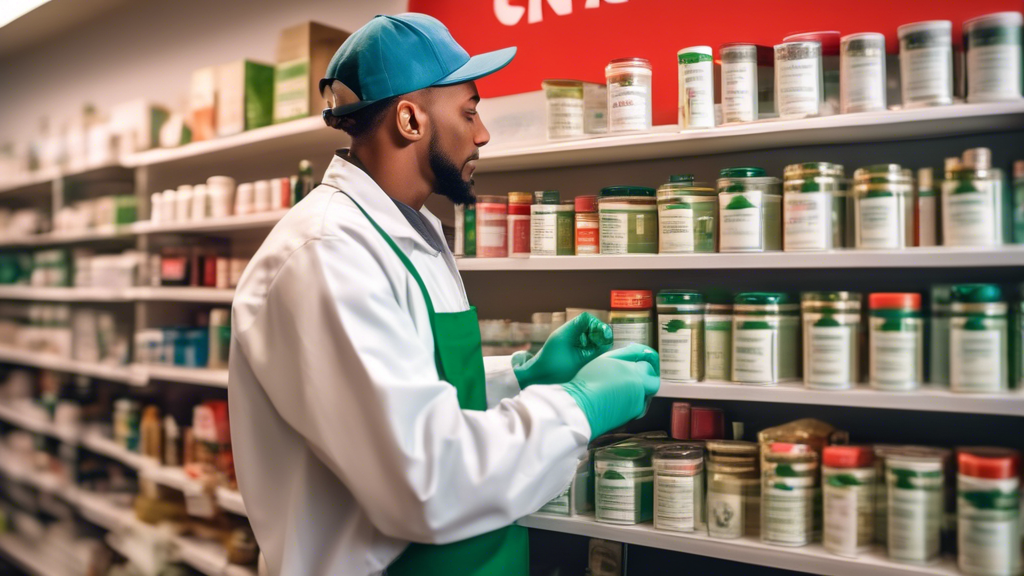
(994, 36)
(693, 58)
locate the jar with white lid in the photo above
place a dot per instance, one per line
(993, 44)
(629, 95)
(915, 479)
(926, 63)
(696, 88)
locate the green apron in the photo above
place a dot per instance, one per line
(459, 360)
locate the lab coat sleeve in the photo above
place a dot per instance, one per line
(343, 363)
(501, 379)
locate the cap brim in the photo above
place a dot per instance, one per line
(479, 66)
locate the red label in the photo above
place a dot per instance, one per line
(519, 235)
(587, 240)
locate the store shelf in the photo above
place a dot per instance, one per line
(172, 477)
(925, 257)
(200, 376)
(30, 180)
(183, 294)
(100, 444)
(231, 500)
(35, 560)
(12, 415)
(212, 225)
(669, 142)
(812, 559)
(70, 294)
(123, 374)
(99, 510)
(79, 237)
(928, 398)
(209, 558)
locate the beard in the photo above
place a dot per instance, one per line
(448, 180)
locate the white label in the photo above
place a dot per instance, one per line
(993, 71)
(565, 117)
(626, 333)
(829, 356)
(676, 234)
(614, 233)
(927, 221)
(969, 218)
(559, 504)
(879, 222)
(808, 221)
(543, 234)
(841, 520)
(753, 355)
(491, 230)
(629, 106)
(894, 358)
(863, 83)
(618, 492)
(741, 227)
(788, 516)
(915, 519)
(674, 503)
(739, 92)
(798, 85)
(674, 345)
(725, 515)
(926, 75)
(697, 95)
(975, 360)
(587, 247)
(718, 350)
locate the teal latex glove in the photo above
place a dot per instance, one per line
(615, 387)
(569, 348)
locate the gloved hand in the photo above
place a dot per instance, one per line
(568, 349)
(614, 388)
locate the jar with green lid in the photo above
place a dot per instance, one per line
(814, 207)
(624, 488)
(938, 335)
(765, 339)
(718, 338)
(687, 216)
(895, 341)
(631, 318)
(883, 207)
(552, 227)
(831, 335)
(915, 483)
(681, 335)
(789, 493)
(978, 335)
(629, 220)
(972, 201)
(750, 211)
(679, 487)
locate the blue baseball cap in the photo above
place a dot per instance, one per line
(393, 55)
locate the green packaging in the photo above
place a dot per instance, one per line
(750, 211)
(687, 216)
(628, 220)
(624, 489)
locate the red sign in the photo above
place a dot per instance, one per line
(577, 38)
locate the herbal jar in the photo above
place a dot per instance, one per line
(681, 335)
(765, 339)
(519, 224)
(750, 211)
(588, 226)
(848, 485)
(927, 233)
(628, 220)
(988, 511)
(733, 499)
(789, 493)
(814, 207)
(978, 334)
(972, 201)
(631, 317)
(748, 82)
(565, 108)
(895, 348)
(831, 339)
(926, 63)
(629, 94)
(862, 73)
(624, 484)
(492, 226)
(679, 487)
(829, 40)
(552, 226)
(718, 341)
(915, 484)
(799, 85)
(938, 334)
(883, 207)
(993, 44)
(696, 88)
(687, 216)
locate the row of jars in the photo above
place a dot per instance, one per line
(811, 209)
(763, 338)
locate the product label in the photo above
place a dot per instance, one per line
(863, 86)
(676, 221)
(696, 91)
(988, 526)
(629, 231)
(969, 217)
(848, 514)
(559, 504)
(565, 117)
(620, 493)
(741, 222)
(893, 361)
(927, 221)
(519, 235)
(725, 515)
(993, 63)
(674, 502)
(545, 234)
(915, 521)
(739, 91)
(799, 87)
(491, 234)
(926, 73)
(629, 104)
(788, 516)
(976, 360)
(753, 356)
(718, 348)
(879, 222)
(614, 233)
(829, 352)
(626, 333)
(587, 238)
(808, 221)
(675, 347)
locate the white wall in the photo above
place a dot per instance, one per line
(149, 48)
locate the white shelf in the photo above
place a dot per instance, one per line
(231, 500)
(928, 398)
(35, 560)
(123, 374)
(669, 142)
(211, 225)
(172, 477)
(209, 558)
(924, 257)
(200, 376)
(69, 294)
(12, 415)
(55, 238)
(102, 512)
(183, 294)
(28, 180)
(813, 559)
(96, 442)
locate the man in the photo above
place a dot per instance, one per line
(369, 433)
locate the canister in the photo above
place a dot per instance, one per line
(629, 94)
(734, 489)
(564, 108)
(465, 230)
(519, 223)
(681, 335)
(915, 479)
(972, 203)
(696, 88)
(624, 487)
(707, 423)
(848, 483)
(631, 317)
(988, 511)
(679, 487)
(789, 492)
(831, 339)
(926, 63)
(680, 421)
(993, 44)
(748, 82)
(492, 226)
(895, 341)
(927, 233)
(938, 334)
(551, 227)
(687, 216)
(718, 339)
(765, 338)
(883, 207)
(814, 207)
(799, 88)
(830, 74)
(862, 73)
(588, 226)
(750, 211)
(628, 220)
(978, 346)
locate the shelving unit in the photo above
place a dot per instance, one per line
(73, 294)
(199, 376)
(21, 420)
(104, 446)
(183, 294)
(35, 560)
(123, 374)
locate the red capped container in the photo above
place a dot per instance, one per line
(849, 478)
(895, 341)
(519, 224)
(848, 456)
(632, 317)
(707, 423)
(988, 511)
(908, 301)
(588, 226)
(681, 420)
(988, 462)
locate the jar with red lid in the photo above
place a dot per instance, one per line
(988, 511)
(896, 341)
(519, 224)
(588, 226)
(849, 480)
(632, 317)
(492, 226)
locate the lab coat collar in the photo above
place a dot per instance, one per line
(351, 179)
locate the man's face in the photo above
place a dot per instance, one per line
(456, 140)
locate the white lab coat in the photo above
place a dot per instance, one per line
(347, 446)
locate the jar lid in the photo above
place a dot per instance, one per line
(813, 168)
(627, 191)
(679, 296)
(680, 451)
(634, 453)
(492, 199)
(895, 301)
(848, 456)
(688, 178)
(609, 439)
(789, 448)
(762, 298)
(995, 19)
(561, 83)
(765, 54)
(520, 198)
(548, 197)
(632, 299)
(741, 172)
(988, 462)
(641, 62)
(830, 297)
(829, 40)
(735, 447)
(880, 171)
(586, 203)
(939, 25)
(976, 293)
(917, 454)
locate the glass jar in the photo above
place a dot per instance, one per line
(552, 226)
(588, 226)
(679, 487)
(926, 63)
(696, 88)
(748, 82)
(465, 230)
(993, 45)
(799, 82)
(895, 348)
(624, 486)
(972, 201)
(883, 207)
(734, 489)
(519, 224)
(681, 335)
(492, 226)
(988, 511)
(862, 73)
(927, 209)
(687, 216)
(848, 481)
(565, 108)
(789, 493)
(734, 452)
(938, 335)
(631, 317)
(765, 339)
(915, 484)
(978, 348)
(629, 94)
(831, 338)
(629, 220)
(814, 207)
(750, 211)
(718, 340)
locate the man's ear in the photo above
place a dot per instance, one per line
(411, 120)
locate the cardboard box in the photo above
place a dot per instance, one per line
(202, 102)
(137, 123)
(303, 53)
(245, 96)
